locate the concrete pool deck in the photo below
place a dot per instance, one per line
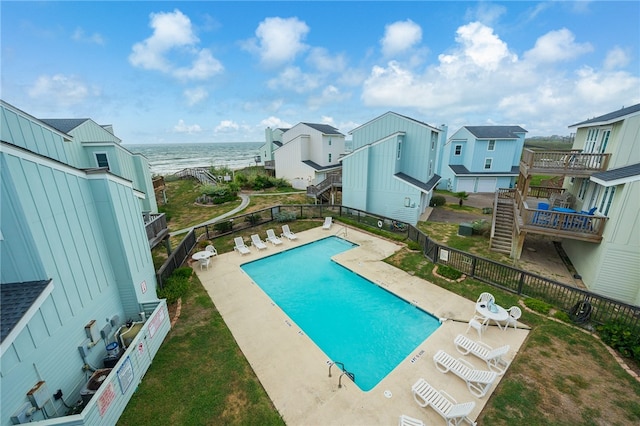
(294, 371)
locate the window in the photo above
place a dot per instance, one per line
(329, 157)
(487, 163)
(399, 149)
(434, 139)
(329, 141)
(607, 199)
(430, 168)
(457, 150)
(492, 145)
(102, 160)
(583, 188)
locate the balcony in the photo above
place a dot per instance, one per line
(568, 163)
(269, 165)
(156, 226)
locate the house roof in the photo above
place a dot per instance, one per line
(617, 176)
(399, 115)
(325, 129)
(318, 167)
(495, 132)
(423, 186)
(16, 300)
(459, 169)
(64, 125)
(610, 117)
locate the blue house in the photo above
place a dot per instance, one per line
(392, 169)
(481, 158)
(80, 317)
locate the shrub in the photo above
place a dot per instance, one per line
(284, 216)
(253, 218)
(225, 226)
(412, 245)
(562, 316)
(262, 182)
(538, 305)
(481, 227)
(438, 200)
(621, 337)
(281, 183)
(449, 272)
(175, 286)
(184, 272)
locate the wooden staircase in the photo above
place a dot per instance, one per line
(502, 231)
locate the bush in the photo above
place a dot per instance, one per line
(175, 286)
(621, 337)
(225, 226)
(184, 272)
(262, 182)
(284, 216)
(449, 272)
(538, 305)
(481, 227)
(437, 200)
(562, 316)
(412, 245)
(253, 218)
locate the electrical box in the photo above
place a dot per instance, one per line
(105, 331)
(84, 349)
(92, 331)
(23, 414)
(465, 229)
(39, 395)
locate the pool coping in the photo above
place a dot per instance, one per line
(294, 371)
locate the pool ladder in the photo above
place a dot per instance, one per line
(344, 373)
(342, 230)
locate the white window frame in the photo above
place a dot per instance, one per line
(106, 156)
(329, 157)
(434, 139)
(488, 160)
(607, 200)
(457, 150)
(430, 171)
(398, 154)
(583, 188)
(491, 145)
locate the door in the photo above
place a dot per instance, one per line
(466, 184)
(487, 184)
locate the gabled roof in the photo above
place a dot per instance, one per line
(325, 129)
(610, 117)
(495, 132)
(65, 125)
(459, 169)
(17, 300)
(617, 176)
(399, 115)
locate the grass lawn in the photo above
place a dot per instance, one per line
(561, 376)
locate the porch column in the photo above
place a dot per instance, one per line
(516, 249)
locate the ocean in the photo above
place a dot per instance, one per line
(169, 158)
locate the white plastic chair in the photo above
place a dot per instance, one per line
(493, 357)
(212, 249)
(257, 242)
(479, 323)
(204, 263)
(486, 297)
(514, 315)
(240, 247)
(443, 403)
(271, 237)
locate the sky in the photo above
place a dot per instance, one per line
(218, 71)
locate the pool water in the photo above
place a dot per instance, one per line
(351, 319)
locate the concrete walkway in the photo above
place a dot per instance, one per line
(243, 204)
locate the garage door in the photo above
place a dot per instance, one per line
(466, 184)
(487, 184)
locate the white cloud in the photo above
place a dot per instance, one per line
(616, 58)
(322, 61)
(196, 95)
(556, 46)
(226, 126)
(63, 90)
(182, 127)
(400, 37)
(486, 13)
(293, 79)
(173, 31)
(481, 47)
(330, 95)
(279, 40)
(605, 86)
(95, 38)
(274, 123)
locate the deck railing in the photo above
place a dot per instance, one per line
(570, 163)
(156, 226)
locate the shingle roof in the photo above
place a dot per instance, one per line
(65, 125)
(15, 301)
(318, 167)
(425, 186)
(325, 129)
(495, 132)
(610, 116)
(459, 169)
(619, 173)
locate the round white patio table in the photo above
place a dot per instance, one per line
(202, 255)
(500, 315)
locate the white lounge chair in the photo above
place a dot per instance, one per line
(257, 242)
(271, 237)
(514, 315)
(286, 232)
(327, 222)
(409, 421)
(478, 381)
(240, 247)
(212, 249)
(493, 357)
(443, 403)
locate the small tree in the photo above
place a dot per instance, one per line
(461, 196)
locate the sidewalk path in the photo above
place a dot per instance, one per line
(243, 204)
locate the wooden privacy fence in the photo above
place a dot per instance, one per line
(523, 283)
(176, 257)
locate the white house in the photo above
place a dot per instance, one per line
(309, 151)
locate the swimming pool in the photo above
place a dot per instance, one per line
(352, 320)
